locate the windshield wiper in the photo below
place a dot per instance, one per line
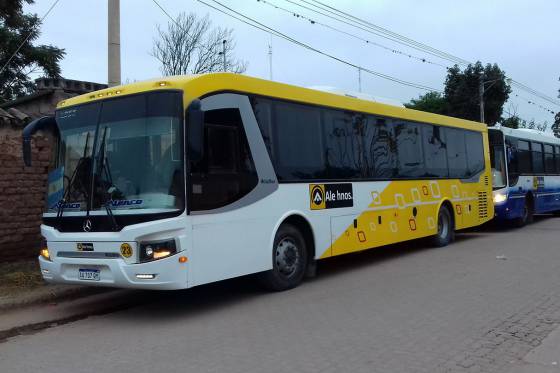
(83, 168)
(103, 165)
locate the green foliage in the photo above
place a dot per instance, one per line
(15, 26)
(462, 92)
(556, 124)
(461, 97)
(513, 122)
(432, 102)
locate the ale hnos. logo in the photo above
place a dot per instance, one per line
(330, 196)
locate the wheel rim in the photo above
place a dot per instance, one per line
(287, 257)
(443, 225)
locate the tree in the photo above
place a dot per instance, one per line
(462, 92)
(17, 28)
(513, 122)
(190, 45)
(461, 96)
(432, 102)
(542, 127)
(556, 125)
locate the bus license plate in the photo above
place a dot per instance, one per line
(89, 274)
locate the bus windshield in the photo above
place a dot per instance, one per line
(124, 152)
(498, 160)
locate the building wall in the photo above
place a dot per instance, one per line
(23, 189)
(44, 104)
(22, 196)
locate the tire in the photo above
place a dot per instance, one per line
(527, 217)
(446, 228)
(289, 260)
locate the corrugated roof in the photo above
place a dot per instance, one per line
(13, 118)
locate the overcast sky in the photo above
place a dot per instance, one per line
(522, 36)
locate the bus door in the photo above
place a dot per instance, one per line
(230, 231)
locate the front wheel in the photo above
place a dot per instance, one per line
(289, 260)
(527, 215)
(446, 228)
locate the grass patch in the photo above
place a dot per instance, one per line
(19, 277)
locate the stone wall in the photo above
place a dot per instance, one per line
(22, 196)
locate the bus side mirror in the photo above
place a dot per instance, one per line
(30, 130)
(195, 131)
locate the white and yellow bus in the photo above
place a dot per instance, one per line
(178, 182)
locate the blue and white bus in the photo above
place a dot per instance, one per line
(526, 174)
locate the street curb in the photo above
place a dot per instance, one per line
(30, 320)
(48, 294)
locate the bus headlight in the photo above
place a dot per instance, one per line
(157, 250)
(44, 252)
(499, 197)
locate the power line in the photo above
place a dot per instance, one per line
(385, 76)
(367, 41)
(29, 35)
(314, 21)
(531, 102)
(258, 25)
(535, 92)
(370, 28)
(347, 18)
(404, 40)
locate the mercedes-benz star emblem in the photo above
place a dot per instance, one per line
(87, 225)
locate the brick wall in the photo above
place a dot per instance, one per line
(22, 196)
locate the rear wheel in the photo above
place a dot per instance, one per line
(446, 228)
(289, 260)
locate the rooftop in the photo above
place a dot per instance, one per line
(17, 113)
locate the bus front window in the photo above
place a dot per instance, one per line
(124, 152)
(497, 158)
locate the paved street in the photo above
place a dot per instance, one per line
(480, 305)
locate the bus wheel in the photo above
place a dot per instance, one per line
(289, 260)
(527, 217)
(446, 228)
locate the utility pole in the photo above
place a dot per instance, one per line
(359, 79)
(270, 58)
(224, 54)
(114, 44)
(481, 97)
(482, 90)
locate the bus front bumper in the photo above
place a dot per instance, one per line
(168, 273)
(510, 209)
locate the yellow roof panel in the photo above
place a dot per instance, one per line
(196, 86)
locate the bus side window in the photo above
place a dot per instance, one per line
(343, 146)
(409, 150)
(227, 171)
(475, 152)
(524, 157)
(456, 153)
(435, 151)
(549, 166)
(382, 149)
(557, 159)
(538, 159)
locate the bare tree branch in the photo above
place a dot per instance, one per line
(191, 46)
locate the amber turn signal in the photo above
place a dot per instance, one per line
(45, 253)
